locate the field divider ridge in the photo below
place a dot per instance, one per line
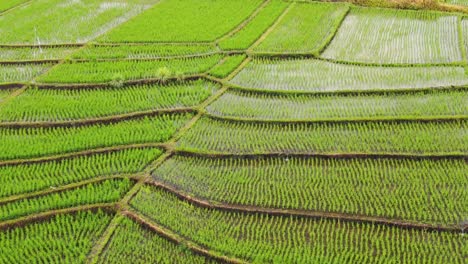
(98, 120)
(75, 185)
(341, 120)
(249, 209)
(244, 23)
(81, 153)
(11, 9)
(326, 42)
(178, 239)
(18, 222)
(343, 155)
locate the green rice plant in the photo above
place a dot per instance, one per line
(392, 36)
(236, 104)
(251, 32)
(132, 243)
(65, 238)
(7, 4)
(29, 53)
(68, 21)
(103, 192)
(33, 142)
(144, 51)
(21, 73)
(227, 66)
(72, 104)
(107, 71)
(306, 28)
(464, 32)
(429, 191)
(261, 238)
(184, 20)
(216, 136)
(310, 75)
(25, 178)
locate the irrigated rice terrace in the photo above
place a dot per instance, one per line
(222, 131)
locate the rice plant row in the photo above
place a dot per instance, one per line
(306, 28)
(428, 191)
(393, 36)
(310, 75)
(73, 104)
(4, 93)
(8, 4)
(33, 142)
(267, 239)
(132, 243)
(220, 136)
(247, 36)
(21, 73)
(144, 51)
(30, 53)
(464, 29)
(302, 107)
(117, 71)
(227, 66)
(103, 192)
(184, 21)
(25, 178)
(62, 239)
(66, 22)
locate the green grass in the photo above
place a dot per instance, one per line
(429, 191)
(236, 104)
(144, 51)
(66, 22)
(34, 142)
(275, 239)
(227, 66)
(43, 53)
(61, 239)
(136, 244)
(389, 36)
(247, 36)
(72, 104)
(310, 75)
(107, 71)
(26, 178)
(184, 20)
(21, 73)
(103, 192)
(365, 137)
(7, 4)
(306, 28)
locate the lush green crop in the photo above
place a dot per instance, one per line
(62, 239)
(19, 179)
(144, 51)
(71, 21)
(307, 27)
(132, 243)
(72, 104)
(42, 53)
(266, 239)
(7, 4)
(184, 20)
(464, 37)
(431, 191)
(33, 142)
(317, 76)
(92, 72)
(227, 66)
(395, 36)
(4, 93)
(21, 73)
(370, 137)
(301, 107)
(247, 36)
(103, 192)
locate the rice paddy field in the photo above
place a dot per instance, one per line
(219, 131)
